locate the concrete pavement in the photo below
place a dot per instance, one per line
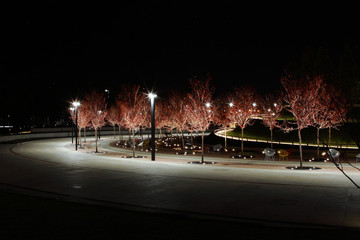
(246, 192)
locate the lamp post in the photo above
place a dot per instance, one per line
(72, 124)
(152, 97)
(76, 105)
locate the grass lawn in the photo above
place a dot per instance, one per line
(260, 132)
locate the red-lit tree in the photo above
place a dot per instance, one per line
(200, 108)
(177, 105)
(300, 95)
(134, 104)
(96, 105)
(161, 117)
(271, 108)
(121, 115)
(168, 111)
(330, 109)
(321, 112)
(114, 117)
(338, 109)
(242, 108)
(222, 117)
(84, 119)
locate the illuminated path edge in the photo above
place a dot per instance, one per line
(221, 133)
(296, 197)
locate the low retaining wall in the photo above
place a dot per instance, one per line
(58, 134)
(39, 133)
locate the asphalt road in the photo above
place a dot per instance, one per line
(253, 191)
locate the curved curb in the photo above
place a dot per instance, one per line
(220, 133)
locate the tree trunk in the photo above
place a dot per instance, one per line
(182, 140)
(96, 141)
(202, 147)
(79, 137)
(329, 145)
(318, 143)
(242, 140)
(141, 134)
(114, 131)
(133, 141)
(84, 134)
(119, 132)
(271, 137)
(171, 136)
(300, 147)
(225, 139)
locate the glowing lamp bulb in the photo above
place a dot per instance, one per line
(207, 104)
(152, 95)
(76, 104)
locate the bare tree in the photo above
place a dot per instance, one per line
(337, 111)
(222, 115)
(242, 108)
(271, 108)
(134, 104)
(113, 116)
(169, 111)
(300, 95)
(178, 103)
(96, 105)
(161, 117)
(201, 109)
(84, 118)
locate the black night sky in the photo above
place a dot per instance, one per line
(54, 51)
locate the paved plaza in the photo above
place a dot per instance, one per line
(243, 190)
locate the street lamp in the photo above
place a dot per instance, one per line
(72, 124)
(108, 92)
(152, 97)
(76, 105)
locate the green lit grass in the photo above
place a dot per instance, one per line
(339, 136)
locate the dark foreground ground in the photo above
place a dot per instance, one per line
(29, 217)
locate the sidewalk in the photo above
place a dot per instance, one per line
(229, 159)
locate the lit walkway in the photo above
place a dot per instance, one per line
(264, 191)
(221, 133)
